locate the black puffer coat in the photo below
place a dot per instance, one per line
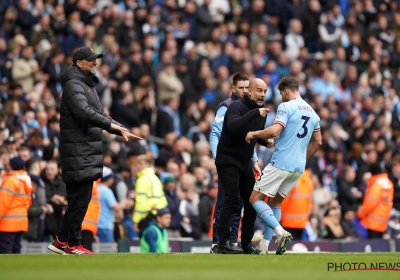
(81, 124)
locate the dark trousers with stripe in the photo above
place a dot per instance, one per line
(78, 196)
(236, 184)
(10, 242)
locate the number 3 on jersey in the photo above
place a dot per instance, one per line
(304, 126)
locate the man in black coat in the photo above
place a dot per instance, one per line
(81, 151)
(235, 166)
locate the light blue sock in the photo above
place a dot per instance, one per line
(268, 233)
(266, 214)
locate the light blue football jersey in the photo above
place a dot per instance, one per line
(300, 122)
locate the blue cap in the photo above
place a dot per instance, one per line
(17, 163)
(163, 211)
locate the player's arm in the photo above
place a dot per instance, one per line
(270, 132)
(235, 121)
(315, 143)
(216, 130)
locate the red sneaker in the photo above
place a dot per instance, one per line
(78, 250)
(58, 247)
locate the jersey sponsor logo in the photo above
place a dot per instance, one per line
(280, 113)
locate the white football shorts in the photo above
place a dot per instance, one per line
(274, 180)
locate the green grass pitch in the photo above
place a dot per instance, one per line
(190, 267)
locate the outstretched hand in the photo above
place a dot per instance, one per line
(126, 136)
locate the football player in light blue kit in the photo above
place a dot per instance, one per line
(299, 137)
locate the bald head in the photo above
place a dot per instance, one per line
(257, 91)
(257, 82)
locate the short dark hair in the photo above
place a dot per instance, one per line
(239, 77)
(288, 83)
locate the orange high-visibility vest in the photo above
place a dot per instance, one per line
(296, 207)
(378, 202)
(15, 200)
(93, 213)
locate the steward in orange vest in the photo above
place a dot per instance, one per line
(89, 224)
(296, 207)
(378, 202)
(15, 199)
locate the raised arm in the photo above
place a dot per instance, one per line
(236, 122)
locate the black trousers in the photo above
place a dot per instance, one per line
(87, 239)
(297, 233)
(78, 196)
(236, 183)
(374, 234)
(234, 225)
(10, 242)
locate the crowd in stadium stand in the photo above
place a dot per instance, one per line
(166, 67)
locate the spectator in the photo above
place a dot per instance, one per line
(155, 236)
(393, 230)
(54, 69)
(206, 209)
(56, 196)
(394, 176)
(293, 40)
(348, 195)
(76, 39)
(35, 211)
(169, 86)
(190, 225)
(347, 224)
(15, 200)
(173, 204)
(109, 207)
(149, 192)
(25, 69)
(331, 222)
(378, 201)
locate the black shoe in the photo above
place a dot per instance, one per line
(229, 248)
(248, 249)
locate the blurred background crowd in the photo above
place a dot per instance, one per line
(168, 63)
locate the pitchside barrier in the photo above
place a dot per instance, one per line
(185, 245)
(41, 248)
(377, 245)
